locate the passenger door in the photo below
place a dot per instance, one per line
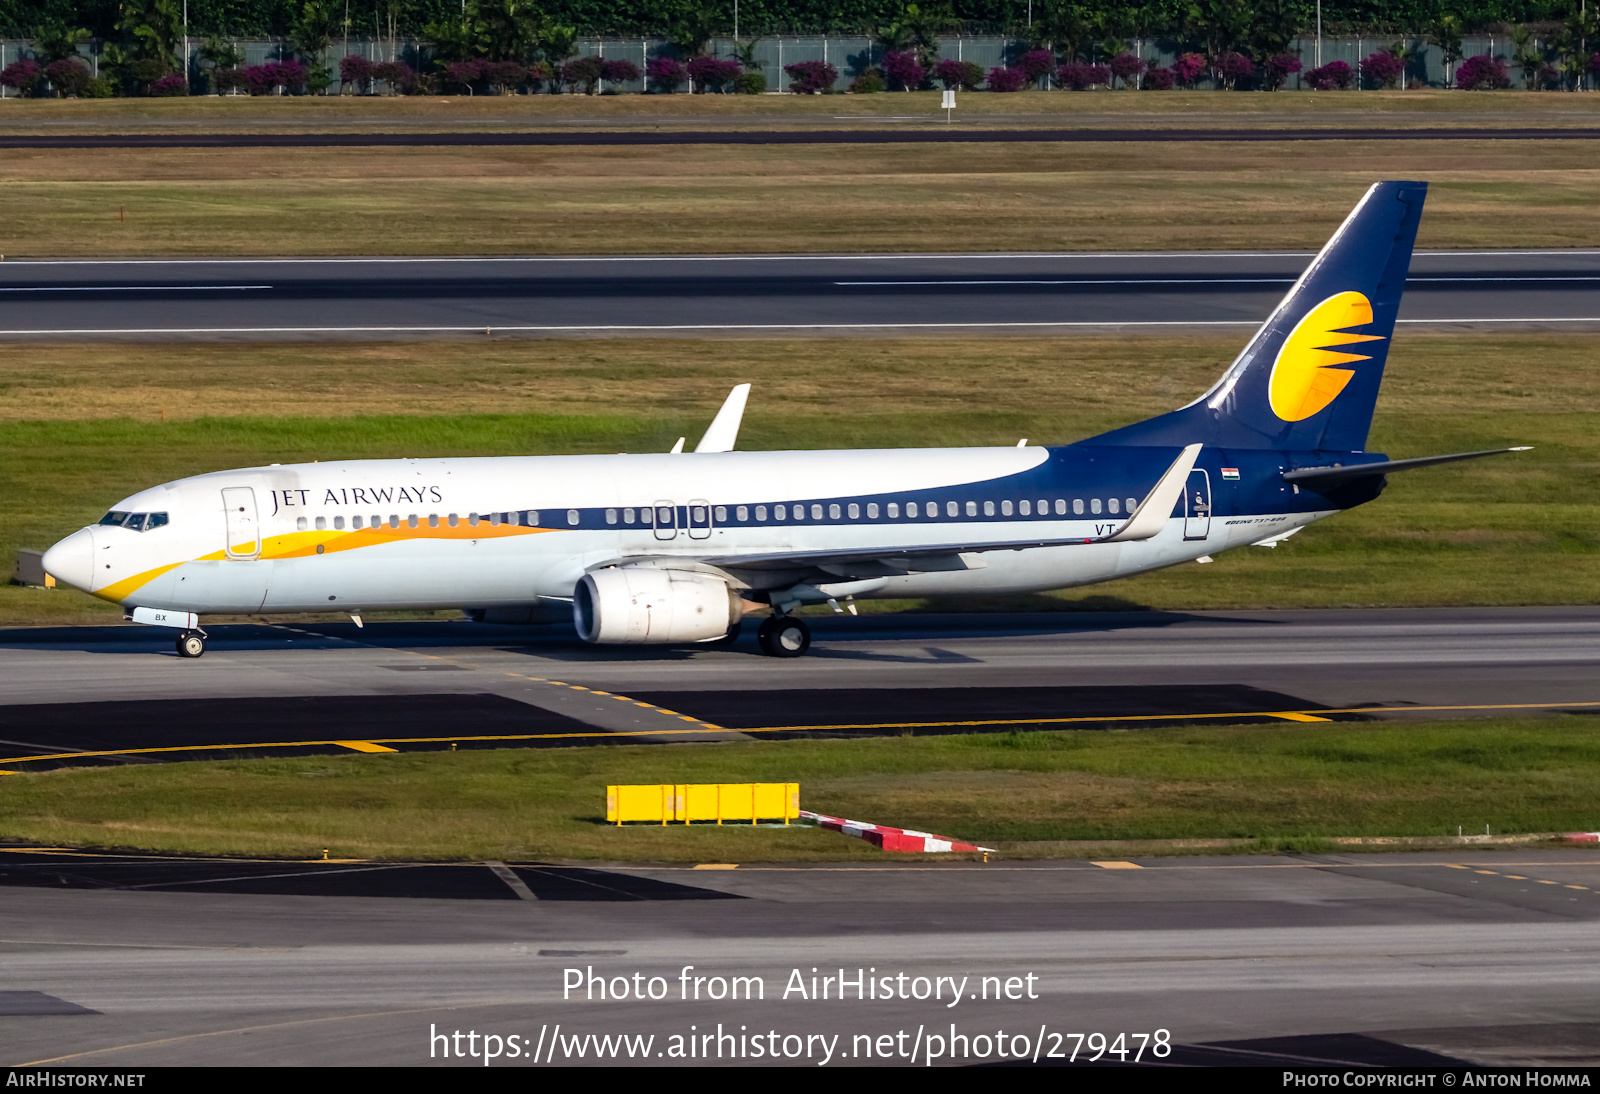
(243, 526)
(1197, 506)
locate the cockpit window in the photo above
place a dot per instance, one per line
(134, 522)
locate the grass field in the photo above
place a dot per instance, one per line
(336, 113)
(83, 426)
(1277, 784)
(732, 199)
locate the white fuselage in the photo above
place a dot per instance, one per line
(491, 532)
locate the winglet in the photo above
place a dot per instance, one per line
(724, 429)
(1151, 516)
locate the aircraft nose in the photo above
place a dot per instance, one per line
(72, 560)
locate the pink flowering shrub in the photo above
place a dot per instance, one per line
(959, 75)
(666, 74)
(355, 71)
(397, 74)
(1081, 76)
(617, 72)
(901, 67)
(1159, 79)
(713, 72)
(1482, 73)
(22, 76)
(164, 88)
(1037, 63)
(1188, 69)
(272, 76)
(811, 77)
(1230, 68)
(1384, 69)
(1278, 68)
(69, 77)
(1007, 79)
(1126, 67)
(1333, 76)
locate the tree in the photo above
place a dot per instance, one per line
(149, 34)
(1277, 23)
(925, 26)
(1064, 27)
(695, 25)
(457, 40)
(312, 33)
(56, 41)
(1220, 26)
(1527, 57)
(510, 29)
(1446, 34)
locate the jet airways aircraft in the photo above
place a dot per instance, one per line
(678, 547)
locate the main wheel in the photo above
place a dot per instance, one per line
(191, 644)
(784, 636)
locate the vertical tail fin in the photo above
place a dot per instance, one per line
(1309, 377)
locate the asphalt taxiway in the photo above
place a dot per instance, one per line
(130, 962)
(753, 294)
(120, 694)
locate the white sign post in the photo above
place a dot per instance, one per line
(948, 103)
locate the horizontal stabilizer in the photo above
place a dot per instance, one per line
(1365, 470)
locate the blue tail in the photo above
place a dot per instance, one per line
(1308, 380)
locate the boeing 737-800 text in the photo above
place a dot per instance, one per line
(677, 547)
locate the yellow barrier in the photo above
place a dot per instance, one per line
(688, 802)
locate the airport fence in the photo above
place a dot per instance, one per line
(850, 56)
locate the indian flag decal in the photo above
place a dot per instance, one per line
(1230, 472)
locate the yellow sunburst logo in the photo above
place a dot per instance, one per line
(1305, 377)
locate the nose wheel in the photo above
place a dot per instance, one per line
(191, 644)
(783, 636)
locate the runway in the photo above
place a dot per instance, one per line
(120, 694)
(129, 961)
(841, 295)
(1403, 960)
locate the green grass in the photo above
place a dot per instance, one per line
(1274, 783)
(1520, 529)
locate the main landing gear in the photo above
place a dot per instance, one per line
(783, 636)
(191, 644)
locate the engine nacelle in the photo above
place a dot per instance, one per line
(643, 604)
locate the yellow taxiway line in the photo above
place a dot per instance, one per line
(376, 744)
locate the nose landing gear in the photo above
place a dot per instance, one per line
(191, 644)
(783, 636)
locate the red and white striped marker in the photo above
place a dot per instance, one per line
(885, 838)
(1581, 837)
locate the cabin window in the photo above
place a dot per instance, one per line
(779, 513)
(611, 516)
(433, 520)
(833, 511)
(1077, 506)
(799, 512)
(872, 510)
(816, 511)
(1005, 508)
(627, 516)
(911, 508)
(951, 509)
(472, 519)
(356, 523)
(972, 508)
(1026, 507)
(411, 520)
(572, 517)
(394, 520)
(322, 524)
(743, 513)
(300, 524)
(455, 521)
(1044, 507)
(894, 510)
(1113, 505)
(855, 511)
(494, 520)
(338, 523)
(1094, 505)
(1061, 507)
(721, 514)
(988, 508)
(1131, 504)
(697, 514)
(761, 512)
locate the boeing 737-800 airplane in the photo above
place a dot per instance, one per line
(676, 547)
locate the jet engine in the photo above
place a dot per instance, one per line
(644, 604)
